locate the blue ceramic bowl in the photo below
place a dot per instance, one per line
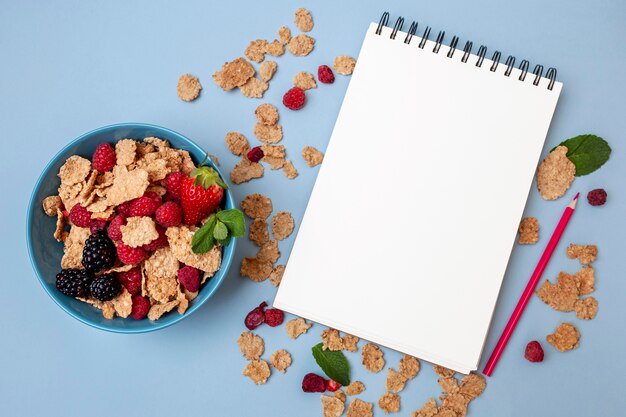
(45, 252)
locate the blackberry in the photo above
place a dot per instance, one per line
(99, 252)
(105, 287)
(74, 282)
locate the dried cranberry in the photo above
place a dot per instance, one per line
(255, 154)
(313, 383)
(534, 352)
(597, 197)
(325, 74)
(256, 317)
(332, 386)
(274, 317)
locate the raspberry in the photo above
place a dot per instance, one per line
(189, 278)
(124, 208)
(97, 224)
(313, 383)
(104, 158)
(255, 154)
(256, 317)
(141, 306)
(128, 255)
(131, 280)
(325, 74)
(534, 352)
(274, 317)
(79, 216)
(169, 214)
(294, 98)
(332, 386)
(172, 184)
(145, 205)
(597, 197)
(113, 230)
(159, 242)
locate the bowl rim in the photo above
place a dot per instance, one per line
(226, 260)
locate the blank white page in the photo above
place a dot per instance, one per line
(411, 222)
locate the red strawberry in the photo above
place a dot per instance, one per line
(200, 193)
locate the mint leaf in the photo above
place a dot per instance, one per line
(233, 219)
(587, 153)
(220, 232)
(203, 239)
(224, 242)
(333, 363)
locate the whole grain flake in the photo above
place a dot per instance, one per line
(372, 358)
(256, 50)
(443, 371)
(188, 88)
(267, 70)
(586, 254)
(360, 408)
(350, 343)
(555, 174)
(528, 231)
(139, 231)
(344, 64)
(289, 170)
(566, 337)
(274, 156)
(276, 48)
(389, 403)
(259, 233)
(340, 395)
(449, 384)
(472, 385)
(586, 308)
(355, 388)
(268, 252)
(254, 88)
(51, 205)
(304, 80)
(245, 171)
(237, 143)
(312, 156)
(281, 360)
(251, 345)
(428, 410)
(331, 340)
(456, 403)
(395, 380)
(267, 114)
(282, 225)
(258, 371)
(296, 327)
(303, 20)
(409, 366)
(268, 134)
(284, 35)
(257, 206)
(126, 151)
(255, 269)
(234, 74)
(332, 406)
(301, 45)
(276, 275)
(585, 277)
(562, 295)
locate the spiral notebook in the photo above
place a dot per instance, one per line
(412, 219)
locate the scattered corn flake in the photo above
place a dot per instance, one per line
(276, 48)
(284, 34)
(389, 402)
(157, 310)
(448, 384)
(73, 247)
(256, 50)
(446, 412)
(312, 156)
(237, 143)
(255, 269)
(331, 340)
(126, 151)
(74, 170)
(215, 160)
(442, 371)
(372, 358)
(274, 156)
(179, 239)
(245, 171)
(586, 254)
(566, 337)
(586, 308)
(251, 345)
(289, 170)
(585, 277)
(296, 327)
(258, 371)
(161, 270)
(277, 275)
(344, 64)
(340, 395)
(259, 233)
(52, 204)
(282, 225)
(409, 366)
(267, 70)
(139, 231)
(472, 385)
(267, 114)
(303, 20)
(254, 88)
(301, 45)
(360, 408)
(304, 80)
(59, 233)
(269, 252)
(257, 206)
(562, 295)
(395, 380)
(528, 231)
(188, 87)
(428, 410)
(457, 403)
(268, 134)
(355, 388)
(281, 360)
(350, 343)
(127, 185)
(555, 174)
(332, 406)
(234, 74)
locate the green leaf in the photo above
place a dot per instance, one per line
(233, 219)
(333, 363)
(224, 242)
(587, 153)
(220, 232)
(203, 239)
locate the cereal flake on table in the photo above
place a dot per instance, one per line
(312, 156)
(282, 225)
(566, 337)
(303, 20)
(304, 80)
(259, 233)
(449, 384)
(284, 35)
(251, 345)
(267, 114)
(256, 50)
(331, 340)
(409, 366)
(258, 371)
(301, 45)
(332, 406)
(281, 360)
(389, 402)
(585, 277)
(456, 404)
(372, 358)
(276, 48)
(586, 308)
(289, 170)
(350, 343)
(585, 254)
(276, 275)
(268, 134)
(472, 385)
(269, 252)
(562, 295)
(360, 408)
(274, 156)
(234, 74)
(344, 64)
(188, 88)
(245, 171)
(355, 388)
(237, 143)
(297, 327)
(267, 70)
(254, 88)
(340, 395)
(428, 410)
(528, 231)
(257, 206)
(395, 380)
(555, 174)
(255, 269)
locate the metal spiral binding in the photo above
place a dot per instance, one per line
(467, 51)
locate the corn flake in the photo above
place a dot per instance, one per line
(566, 337)
(586, 254)
(360, 408)
(139, 231)
(267, 70)
(188, 88)
(258, 371)
(179, 239)
(409, 366)
(284, 35)
(257, 206)
(281, 360)
(74, 170)
(255, 269)
(344, 65)
(562, 295)
(268, 134)
(245, 171)
(269, 252)
(395, 380)
(585, 277)
(472, 385)
(256, 50)
(127, 185)
(296, 327)
(301, 45)
(276, 275)
(528, 231)
(254, 88)
(259, 233)
(350, 343)
(372, 358)
(303, 20)
(237, 143)
(586, 308)
(267, 114)
(332, 406)
(304, 80)
(428, 410)
(52, 204)
(274, 156)
(73, 247)
(289, 170)
(442, 371)
(555, 174)
(331, 340)
(355, 388)
(234, 74)
(389, 402)
(276, 48)
(251, 345)
(282, 225)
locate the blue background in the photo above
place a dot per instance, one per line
(69, 67)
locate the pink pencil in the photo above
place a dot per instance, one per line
(530, 287)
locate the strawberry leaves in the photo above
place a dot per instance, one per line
(207, 176)
(220, 228)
